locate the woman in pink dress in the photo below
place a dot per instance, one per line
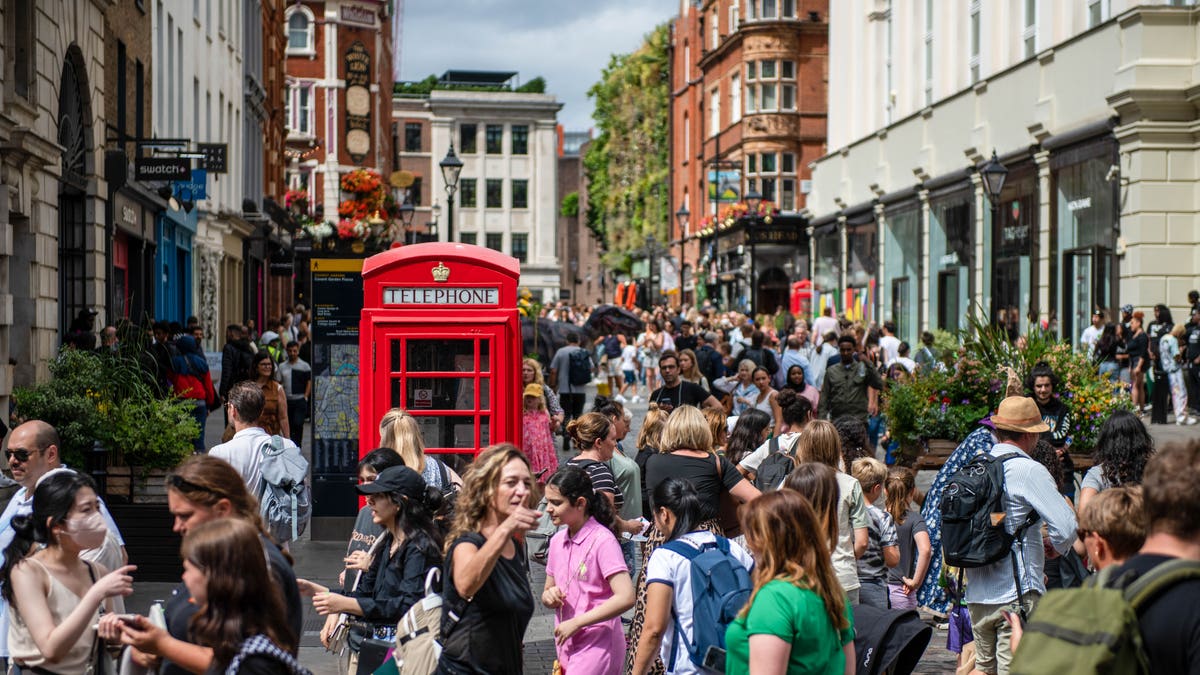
(536, 438)
(587, 583)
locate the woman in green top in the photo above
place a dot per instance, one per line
(797, 620)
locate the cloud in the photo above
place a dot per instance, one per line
(567, 42)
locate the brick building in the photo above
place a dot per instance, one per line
(748, 100)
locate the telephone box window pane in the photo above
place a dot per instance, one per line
(441, 356)
(395, 350)
(456, 431)
(396, 401)
(439, 393)
(485, 438)
(485, 361)
(485, 388)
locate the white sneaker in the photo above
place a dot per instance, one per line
(1190, 421)
(619, 398)
(637, 399)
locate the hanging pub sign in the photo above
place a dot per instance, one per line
(215, 156)
(358, 101)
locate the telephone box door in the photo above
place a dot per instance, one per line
(447, 378)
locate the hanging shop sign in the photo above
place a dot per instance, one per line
(161, 168)
(215, 156)
(358, 102)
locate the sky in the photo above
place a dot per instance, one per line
(567, 42)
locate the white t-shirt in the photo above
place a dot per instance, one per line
(668, 567)
(243, 452)
(629, 357)
(752, 461)
(890, 346)
(907, 363)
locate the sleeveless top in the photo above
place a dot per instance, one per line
(61, 601)
(273, 398)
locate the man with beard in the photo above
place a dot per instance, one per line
(677, 391)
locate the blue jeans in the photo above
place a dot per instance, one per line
(1110, 369)
(874, 430)
(201, 414)
(632, 550)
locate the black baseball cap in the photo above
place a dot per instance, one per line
(396, 479)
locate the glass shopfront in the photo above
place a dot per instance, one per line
(902, 269)
(1086, 222)
(827, 268)
(862, 246)
(1012, 254)
(951, 253)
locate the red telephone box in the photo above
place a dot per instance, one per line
(440, 337)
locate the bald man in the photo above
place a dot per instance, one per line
(32, 453)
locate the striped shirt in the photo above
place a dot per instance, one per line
(602, 478)
(1028, 488)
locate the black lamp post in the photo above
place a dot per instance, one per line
(407, 211)
(993, 174)
(452, 167)
(753, 200)
(681, 217)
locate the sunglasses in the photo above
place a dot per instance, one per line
(21, 455)
(184, 485)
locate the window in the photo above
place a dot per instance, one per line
(1095, 13)
(520, 246)
(974, 55)
(24, 75)
(466, 192)
(773, 174)
(714, 112)
(412, 136)
(467, 237)
(494, 241)
(520, 139)
(928, 52)
(467, 144)
(520, 193)
(733, 17)
(735, 98)
(1029, 34)
(770, 86)
(687, 138)
(300, 109)
(495, 193)
(714, 31)
(299, 31)
(494, 139)
(788, 9)
(413, 193)
(768, 9)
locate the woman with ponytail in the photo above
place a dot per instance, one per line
(403, 505)
(680, 516)
(905, 579)
(587, 581)
(54, 597)
(797, 620)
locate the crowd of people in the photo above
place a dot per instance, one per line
(751, 526)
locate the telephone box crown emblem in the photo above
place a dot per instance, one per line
(441, 273)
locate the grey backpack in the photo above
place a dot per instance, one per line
(285, 501)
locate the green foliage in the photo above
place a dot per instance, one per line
(535, 86)
(570, 205)
(108, 398)
(626, 165)
(422, 87)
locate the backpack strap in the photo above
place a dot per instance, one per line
(773, 444)
(689, 553)
(1143, 590)
(1018, 537)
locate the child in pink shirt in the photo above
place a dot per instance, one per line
(587, 583)
(536, 438)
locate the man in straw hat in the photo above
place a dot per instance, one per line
(1029, 494)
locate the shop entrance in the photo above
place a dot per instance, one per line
(772, 290)
(948, 310)
(1087, 278)
(1010, 294)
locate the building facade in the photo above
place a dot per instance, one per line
(507, 197)
(583, 278)
(748, 98)
(1087, 105)
(52, 207)
(412, 132)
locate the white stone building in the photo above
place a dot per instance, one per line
(507, 193)
(1091, 105)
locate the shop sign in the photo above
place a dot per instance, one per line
(779, 235)
(161, 168)
(1016, 234)
(442, 295)
(358, 101)
(193, 188)
(215, 156)
(949, 260)
(1079, 204)
(357, 14)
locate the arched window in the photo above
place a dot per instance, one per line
(300, 30)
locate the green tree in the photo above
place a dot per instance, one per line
(627, 164)
(570, 205)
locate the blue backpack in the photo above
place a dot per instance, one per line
(721, 587)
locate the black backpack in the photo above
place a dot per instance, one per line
(752, 353)
(580, 372)
(971, 536)
(776, 466)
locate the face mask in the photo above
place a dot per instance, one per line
(88, 532)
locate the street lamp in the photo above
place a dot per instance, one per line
(753, 200)
(407, 211)
(681, 217)
(452, 166)
(994, 174)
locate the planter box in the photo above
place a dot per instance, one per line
(133, 486)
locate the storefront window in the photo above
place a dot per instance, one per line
(861, 269)
(902, 269)
(951, 247)
(1086, 220)
(1012, 250)
(827, 267)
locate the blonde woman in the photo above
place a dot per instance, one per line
(486, 583)
(531, 373)
(398, 430)
(821, 443)
(647, 445)
(689, 371)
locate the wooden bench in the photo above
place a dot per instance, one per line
(937, 451)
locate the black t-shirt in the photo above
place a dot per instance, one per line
(643, 455)
(701, 473)
(1171, 623)
(683, 342)
(684, 393)
(1193, 342)
(488, 637)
